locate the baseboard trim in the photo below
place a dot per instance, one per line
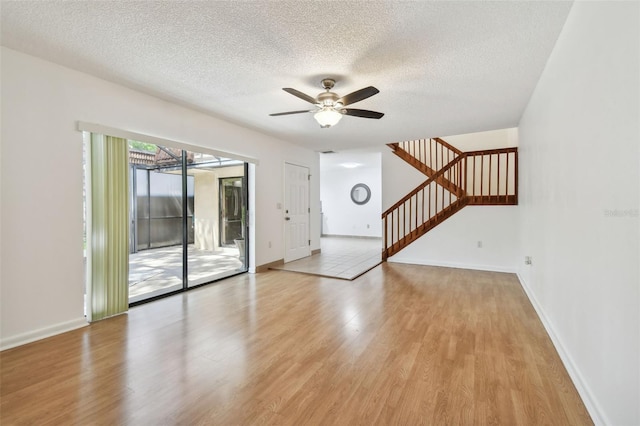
(595, 411)
(365, 237)
(43, 333)
(456, 265)
(265, 267)
(316, 251)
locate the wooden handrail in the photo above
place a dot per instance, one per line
(490, 151)
(448, 145)
(426, 155)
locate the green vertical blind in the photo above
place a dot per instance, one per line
(109, 259)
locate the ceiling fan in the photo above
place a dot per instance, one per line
(330, 107)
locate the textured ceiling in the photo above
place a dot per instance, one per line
(442, 68)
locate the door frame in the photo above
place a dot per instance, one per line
(221, 207)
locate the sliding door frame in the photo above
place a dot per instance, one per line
(185, 234)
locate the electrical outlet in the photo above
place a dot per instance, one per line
(269, 244)
(527, 260)
(368, 226)
(479, 244)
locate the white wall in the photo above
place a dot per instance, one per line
(455, 242)
(477, 237)
(579, 197)
(206, 209)
(341, 215)
(41, 166)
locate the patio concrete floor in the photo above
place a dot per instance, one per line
(158, 271)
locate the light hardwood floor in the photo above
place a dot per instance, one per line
(401, 345)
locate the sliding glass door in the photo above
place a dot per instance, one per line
(176, 220)
(215, 253)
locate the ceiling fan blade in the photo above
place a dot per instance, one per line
(289, 112)
(363, 113)
(300, 95)
(358, 95)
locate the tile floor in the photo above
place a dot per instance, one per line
(340, 257)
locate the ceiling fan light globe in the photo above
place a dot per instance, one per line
(327, 117)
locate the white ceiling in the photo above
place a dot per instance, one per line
(362, 157)
(442, 68)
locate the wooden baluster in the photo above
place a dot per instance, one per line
(460, 171)
(481, 175)
(416, 212)
(390, 230)
(429, 202)
(515, 175)
(431, 153)
(442, 194)
(498, 179)
(384, 227)
(441, 156)
(436, 192)
(459, 178)
(405, 222)
(490, 170)
(506, 183)
(409, 230)
(401, 225)
(422, 205)
(410, 214)
(398, 225)
(464, 170)
(474, 176)
(449, 173)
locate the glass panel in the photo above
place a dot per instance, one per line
(217, 249)
(141, 214)
(214, 222)
(155, 263)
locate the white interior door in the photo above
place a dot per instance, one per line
(296, 212)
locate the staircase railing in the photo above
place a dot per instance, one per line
(486, 177)
(428, 156)
(408, 218)
(492, 176)
(434, 153)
